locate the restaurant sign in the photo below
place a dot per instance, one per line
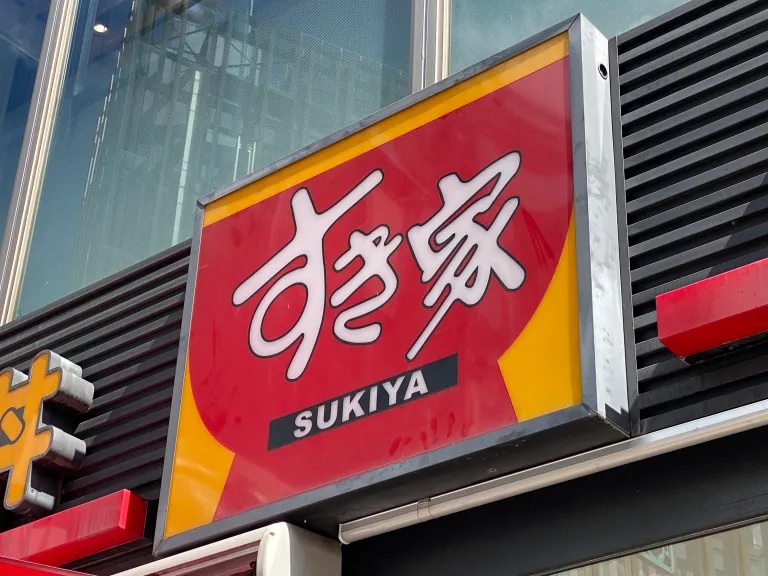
(395, 310)
(36, 425)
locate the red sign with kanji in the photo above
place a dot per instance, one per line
(395, 293)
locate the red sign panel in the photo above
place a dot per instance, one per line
(399, 292)
(354, 296)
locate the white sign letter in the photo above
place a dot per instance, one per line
(467, 253)
(392, 390)
(416, 384)
(352, 404)
(303, 424)
(307, 242)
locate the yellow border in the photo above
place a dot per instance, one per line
(390, 128)
(195, 489)
(536, 383)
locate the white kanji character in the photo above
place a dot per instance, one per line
(374, 250)
(307, 242)
(466, 252)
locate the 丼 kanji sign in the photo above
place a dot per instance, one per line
(399, 298)
(28, 440)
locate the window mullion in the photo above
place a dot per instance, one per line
(35, 149)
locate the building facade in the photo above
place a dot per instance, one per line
(120, 115)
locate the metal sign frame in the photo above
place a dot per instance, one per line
(604, 409)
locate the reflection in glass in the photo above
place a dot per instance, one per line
(734, 553)
(482, 28)
(168, 100)
(22, 27)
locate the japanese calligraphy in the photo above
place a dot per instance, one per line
(307, 243)
(375, 251)
(451, 248)
(467, 253)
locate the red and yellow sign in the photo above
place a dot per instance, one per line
(403, 290)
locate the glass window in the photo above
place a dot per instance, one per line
(168, 100)
(735, 553)
(22, 27)
(480, 29)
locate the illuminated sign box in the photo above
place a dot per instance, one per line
(426, 300)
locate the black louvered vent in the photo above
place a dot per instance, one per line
(694, 116)
(124, 333)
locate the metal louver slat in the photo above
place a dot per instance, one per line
(693, 99)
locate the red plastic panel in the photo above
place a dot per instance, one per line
(78, 532)
(716, 311)
(17, 568)
(268, 394)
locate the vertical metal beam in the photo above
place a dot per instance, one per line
(430, 32)
(601, 329)
(418, 43)
(35, 149)
(438, 32)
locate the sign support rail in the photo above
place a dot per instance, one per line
(636, 449)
